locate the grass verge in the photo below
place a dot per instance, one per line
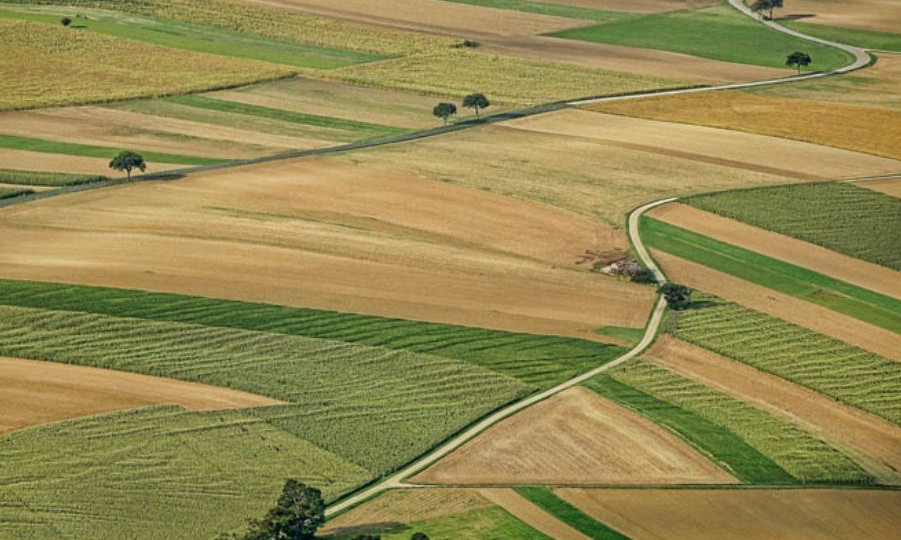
(9, 193)
(866, 39)
(548, 501)
(74, 149)
(37, 178)
(868, 306)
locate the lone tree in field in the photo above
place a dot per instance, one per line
(677, 296)
(65, 21)
(296, 515)
(760, 6)
(128, 161)
(798, 59)
(477, 102)
(444, 111)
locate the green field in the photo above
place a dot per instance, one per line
(845, 218)
(851, 300)
(9, 193)
(715, 441)
(158, 473)
(73, 149)
(556, 10)
(36, 178)
(569, 514)
(867, 39)
(539, 361)
(194, 37)
(806, 458)
(353, 129)
(718, 33)
(836, 369)
(629, 335)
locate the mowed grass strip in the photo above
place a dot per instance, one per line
(374, 406)
(545, 8)
(842, 217)
(800, 454)
(51, 179)
(548, 501)
(182, 475)
(718, 33)
(361, 128)
(194, 37)
(719, 443)
(478, 524)
(539, 361)
(868, 306)
(831, 367)
(15, 142)
(867, 39)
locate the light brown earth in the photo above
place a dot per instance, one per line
(34, 393)
(99, 126)
(407, 506)
(879, 15)
(811, 316)
(738, 149)
(39, 161)
(889, 187)
(575, 437)
(532, 515)
(321, 234)
(636, 6)
(874, 443)
(816, 258)
(743, 514)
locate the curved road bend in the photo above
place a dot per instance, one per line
(397, 480)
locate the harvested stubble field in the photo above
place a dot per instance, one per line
(742, 514)
(860, 128)
(803, 456)
(52, 163)
(846, 373)
(868, 440)
(35, 392)
(68, 67)
(531, 514)
(785, 248)
(575, 437)
(321, 234)
(839, 216)
(878, 15)
(889, 187)
(548, 501)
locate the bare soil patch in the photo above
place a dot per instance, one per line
(40, 161)
(819, 319)
(889, 187)
(575, 437)
(870, 440)
(860, 273)
(743, 514)
(879, 15)
(34, 393)
(320, 234)
(529, 513)
(730, 147)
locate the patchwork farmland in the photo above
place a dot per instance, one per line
(449, 269)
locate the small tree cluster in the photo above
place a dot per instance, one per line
(677, 296)
(759, 6)
(476, 102)
(297, 513)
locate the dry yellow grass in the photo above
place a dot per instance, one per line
(69, 67)
(863, 129)
(458, 72)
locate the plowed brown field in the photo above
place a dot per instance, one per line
(880, 15)
(33, 393)
(860, 273)
(870, 440)
(575, 437)
(819, 319)
(743, 514)
(321, 234)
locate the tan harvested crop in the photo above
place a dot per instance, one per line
(636, 6)
(742, 514)
(319, 234)
(575, 437)
(34, 393)
(38, 161)
(811, 316)
(529, 513)
(863, 129)
(736, 149)
(878, 15)
(66, 67)
(870, 440)
(816, 258)
(889, 187)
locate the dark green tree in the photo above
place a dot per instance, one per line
(419, 536)
(296, 515)
(799, 59)
(128, 161)
(477, 102)
(766, 5)
(677, 296)
(65, 21)
(444, 111)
